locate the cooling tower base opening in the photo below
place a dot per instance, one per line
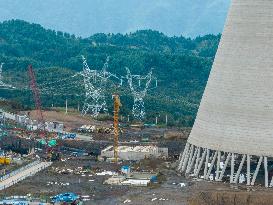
(225, 166)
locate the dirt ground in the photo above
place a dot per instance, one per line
(71, 120)
(195, 192)
(49, 182)
(172, 138)
(233, 198)
(168, 191)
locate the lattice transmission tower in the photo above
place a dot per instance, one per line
(2, 84)
(139, 92)
(95, 84)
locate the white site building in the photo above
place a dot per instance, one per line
(135, 152)
(33, 124)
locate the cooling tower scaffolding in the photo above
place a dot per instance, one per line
(233, 130)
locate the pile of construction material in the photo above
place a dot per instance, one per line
(135, 153)
(94, 129)
(64, 170)
(82, 171)
(129, 178)
(87, 128)
(54, 127)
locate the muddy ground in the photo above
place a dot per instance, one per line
(71, 121)
(168, 191)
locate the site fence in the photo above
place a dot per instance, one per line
(31, 173)
(19, 170)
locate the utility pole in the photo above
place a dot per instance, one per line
(66, 106)
(166, 120)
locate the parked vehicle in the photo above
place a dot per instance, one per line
(68, 136)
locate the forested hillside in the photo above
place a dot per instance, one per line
(181, 65)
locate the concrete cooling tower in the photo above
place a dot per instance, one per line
(233, 131)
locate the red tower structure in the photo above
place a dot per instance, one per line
(36, 95)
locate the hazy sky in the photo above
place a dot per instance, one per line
(86, 17)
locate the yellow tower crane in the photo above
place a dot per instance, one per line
(117, 106)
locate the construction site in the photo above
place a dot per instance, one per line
(65, 155)
(93, 153)
(55, 160)
(59, 154)
(85, 165)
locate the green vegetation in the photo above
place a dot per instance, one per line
(181, 65)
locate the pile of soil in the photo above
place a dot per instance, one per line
(232, 198)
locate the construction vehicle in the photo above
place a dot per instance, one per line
(4, 161)
(51, 153)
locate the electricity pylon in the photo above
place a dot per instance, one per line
(139, 92)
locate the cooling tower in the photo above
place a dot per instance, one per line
(234, 124)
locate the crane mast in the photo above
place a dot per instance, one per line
(117, 105)
(36, 96)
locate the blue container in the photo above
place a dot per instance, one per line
(65, 197)
(125, 169)
(153, 178)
